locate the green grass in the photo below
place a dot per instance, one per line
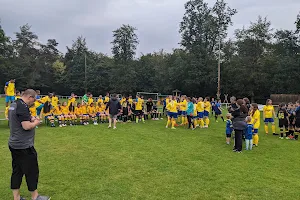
(147, 161)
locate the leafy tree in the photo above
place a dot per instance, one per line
(124, 43)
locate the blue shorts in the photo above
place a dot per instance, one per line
(269, 120)
(173, 115)
(183, 113)
(255, 131)
(179, 112)
(206, 113)
(98, 114)
(200, 115)
(9, 99)
(218, 112)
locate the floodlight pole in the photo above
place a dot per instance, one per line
(219, 71)
(85, 81)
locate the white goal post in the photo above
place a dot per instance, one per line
(147, 95)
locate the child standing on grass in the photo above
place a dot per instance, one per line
(229, 128)
(249, 133)
(190, 113)
(283, 118)
(255, 116)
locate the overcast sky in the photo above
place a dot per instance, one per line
(157, 21)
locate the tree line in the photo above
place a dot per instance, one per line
(257, 62)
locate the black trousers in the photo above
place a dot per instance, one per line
(24, 162)
(238, 140)
(190, 121)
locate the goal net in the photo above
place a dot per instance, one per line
(147, 95)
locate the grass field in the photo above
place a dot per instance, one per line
(148, 161)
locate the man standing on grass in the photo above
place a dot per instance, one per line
(114, 107)
(21, 144)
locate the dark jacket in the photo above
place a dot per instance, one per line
(238, 120)
(114, 106)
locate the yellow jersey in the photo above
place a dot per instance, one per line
(172, 107)
(84, 110)
(207, 106)
(130, 101)
(183, 105)
(90, 100)
(65, 110)
(139, 104)
(78, 111)
(100, 100)
(45, 99)
(255, 116)
(200, 106)
(91, 110)
(268, 111)
(122, 100)
(10, 88)
(106, 99)
(57, 111)
(32, 110)
(195, 114)
(18, 97)
(71, 100)
(54, 101)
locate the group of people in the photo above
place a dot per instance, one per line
(244, 119)
(193, 112)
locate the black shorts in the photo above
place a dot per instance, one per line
(283, 123)
(228, 135)
(297, 124)
(24, 162)
(138, 112)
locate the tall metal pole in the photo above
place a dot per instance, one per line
(219, 71)
(85, 81)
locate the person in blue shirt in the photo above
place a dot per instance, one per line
(229, 128)
(218, 110)
(189, 113)
(249, 134)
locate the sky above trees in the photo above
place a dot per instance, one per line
(157, 21)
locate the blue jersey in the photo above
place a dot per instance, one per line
(216, 107)
(249, 132)
(229, 127)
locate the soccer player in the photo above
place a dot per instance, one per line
(297, 121)
(72, 99)
(106, 98)
(172, 107)
(229, 128)
(218, 110)
(100, 100)
(90, 100)
(47, 112)
(130, 101)
(207, 108)
(200, 112)
(54, 100)
(149, 108)
(92, 113)
(292, 118)
(183, 108)
(189, 113)
(268, 115)
(65, 112)
(78, 113)
(10, 91)
(255, 116)
(283, 119)
(58, 115)
(249, 133)
(85, 114)
(139, 109)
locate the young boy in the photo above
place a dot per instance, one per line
(291, 110)
(229, 128)
(297, 122)
(92, 113)
(249, 134)
(283, 118)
